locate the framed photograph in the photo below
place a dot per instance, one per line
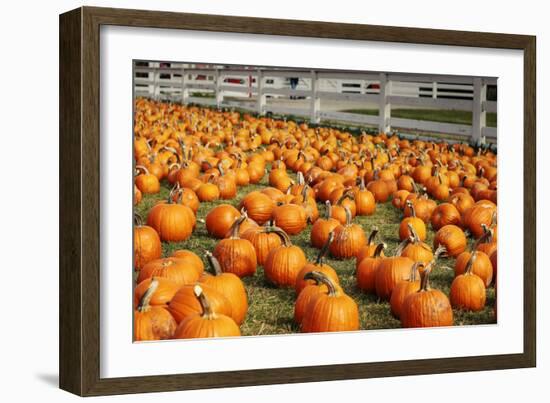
(250, 201)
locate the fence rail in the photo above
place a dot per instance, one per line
(256, 89)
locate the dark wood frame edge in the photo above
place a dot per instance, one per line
(79, 200)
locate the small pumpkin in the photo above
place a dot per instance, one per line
(206, 323)
(147, 244)
(369, 249)
(146, 182)
(364, 200)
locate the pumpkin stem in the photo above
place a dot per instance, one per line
(146, 298)
(324, 250)
(322, 278)
(300, 178)
(281, 233)
(205, 304)
(411, 207)
(470, 264)
(414, 234)
(348, 216)
(234, 230)
(143, 168)
(214, 263)
(372, 235)
(425, 279)
(402, 246)
(328, 210)
(379, 248)
(415, 269)
(138, 219)
(220, 168)
(362, 184)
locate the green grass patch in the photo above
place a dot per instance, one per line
(433, 115)
(271, 309)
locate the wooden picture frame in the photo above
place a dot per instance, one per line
(80, 185)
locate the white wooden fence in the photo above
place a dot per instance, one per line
(249, 89)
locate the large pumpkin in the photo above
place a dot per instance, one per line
(173, 222)
(331, 311)
(236, 255)
(319, 265)
(206, 323)
(284, 262)
(292, 218)
(229, 285)
(468, 290)
(220, 219)
(390, 271)
(452, 238)
(348, 239)
(366, 270)
(184, 303)
(479, 263)
(152, 322)
(322, 227)
(427, 307)
(147, 245)
(258, 206)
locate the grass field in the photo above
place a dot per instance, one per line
(434, 115)
(271, 309)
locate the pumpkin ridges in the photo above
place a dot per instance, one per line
(236, 255)
(207, 323)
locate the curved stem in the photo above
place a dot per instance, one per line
(138, 219)
(236, 225)
(205, 304)
(379, 248)
(470, 264)
(348, 216)
(143, 168)
(411, 207)
(281, 233)
(425, 279)
(372, 235)
(415, 269)
(146, 298)
(324, 250)
(214, 263)
(414, 234)
(322, 278)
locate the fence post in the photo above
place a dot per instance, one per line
(434, 90)
(156, 78)
(384, 107)
(260, 97)
(315, 99)
(184, 89)
(218, 91)
(479, 115)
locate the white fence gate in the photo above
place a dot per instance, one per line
(255, 90)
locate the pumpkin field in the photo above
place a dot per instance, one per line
(251, 225)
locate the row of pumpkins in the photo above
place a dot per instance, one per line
(206, 155)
